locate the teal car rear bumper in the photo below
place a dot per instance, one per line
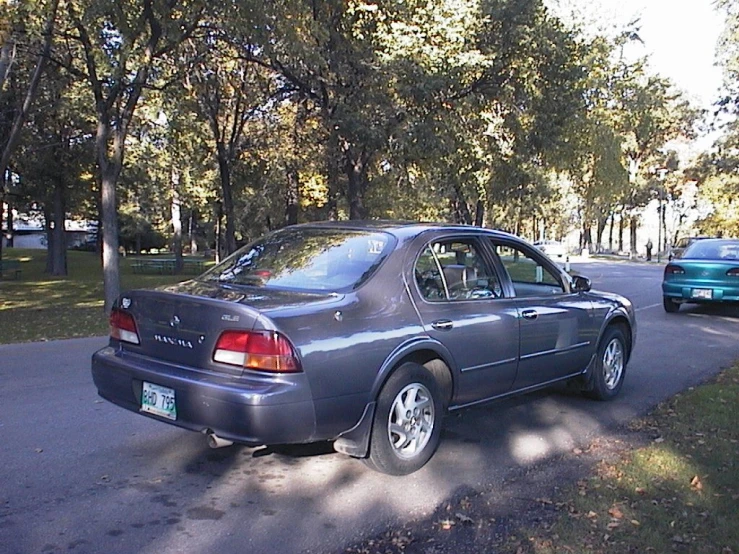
(696, 291)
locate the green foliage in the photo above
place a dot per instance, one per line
(238, 117)
(718, 170)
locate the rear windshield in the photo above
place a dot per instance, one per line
(305, 258)
(713, 250)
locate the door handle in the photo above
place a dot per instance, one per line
(442, 324)
(529, 314)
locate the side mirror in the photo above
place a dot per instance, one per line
(580, 283)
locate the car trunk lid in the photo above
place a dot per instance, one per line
(181, 324)
(705, 272)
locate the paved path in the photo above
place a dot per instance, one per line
(80, 475)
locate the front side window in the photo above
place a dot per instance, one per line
(453, 270)
(529, 276)
(305, 258)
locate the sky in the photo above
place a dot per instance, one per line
(679, 35)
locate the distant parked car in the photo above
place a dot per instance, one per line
(707, 272)
(363, 333)
(552, 248)
(677, 249)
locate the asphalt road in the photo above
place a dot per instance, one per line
(80, 475)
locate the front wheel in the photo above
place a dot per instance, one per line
(610, 365)
(670, 305)
(407, 426)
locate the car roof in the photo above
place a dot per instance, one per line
(403, 229)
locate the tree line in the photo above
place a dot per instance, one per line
(206, 124)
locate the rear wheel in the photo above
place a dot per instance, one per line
(610, 365)
(407, 425)
(670, 305)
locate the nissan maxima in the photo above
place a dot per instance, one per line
(361, 333)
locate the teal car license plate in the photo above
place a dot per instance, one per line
(158, 400)
(705, 294)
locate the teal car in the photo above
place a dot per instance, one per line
(707, 272)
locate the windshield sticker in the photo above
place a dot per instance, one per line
(375, 247)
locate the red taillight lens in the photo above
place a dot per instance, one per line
(123, 327)
(674, 270)
(733, 272)
(258, 350)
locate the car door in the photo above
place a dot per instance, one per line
(557, 326)
(460, 301)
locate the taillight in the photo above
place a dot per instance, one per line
(671, 269)
(733, 272)
(123, 327)
(258, 350)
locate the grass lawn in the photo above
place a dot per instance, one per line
(679, 494)
(38, 307)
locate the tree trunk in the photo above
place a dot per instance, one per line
(633, 223)
(2, 211)
(480, 213)
(176, 213)
(621, 232)
(356, 172)
(292, 197)
(11, 224)
(57, 252)
(610, 231)
(191, 232)
(111, 275)
(587, 237)
(600, 229)
(333, 155)
(218, 215)
(460, 208)
(224, 170)
(50, 238)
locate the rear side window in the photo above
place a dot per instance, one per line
(454, 270)
(713, 250)
(305, 258)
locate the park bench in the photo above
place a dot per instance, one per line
(167, 266)
(10, 267)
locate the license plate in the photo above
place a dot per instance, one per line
(158, 400)
(702, 293)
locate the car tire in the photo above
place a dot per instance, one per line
(609, 367)
(407, 425)
(670, 305)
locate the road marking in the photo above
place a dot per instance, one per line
(647, 307)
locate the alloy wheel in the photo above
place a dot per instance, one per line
(613, 363)
(411, 422)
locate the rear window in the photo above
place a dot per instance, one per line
(713, 250)
(306, 258)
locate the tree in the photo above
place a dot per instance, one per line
(121, 44)
(7, 54)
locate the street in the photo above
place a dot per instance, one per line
(80, 475)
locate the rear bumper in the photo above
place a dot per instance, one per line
(253, 410)
(684, 291)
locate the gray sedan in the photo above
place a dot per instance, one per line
(362, 333)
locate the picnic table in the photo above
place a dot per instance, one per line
(166, 266)
(10, 267)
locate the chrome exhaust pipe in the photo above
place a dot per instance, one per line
(214, 441)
